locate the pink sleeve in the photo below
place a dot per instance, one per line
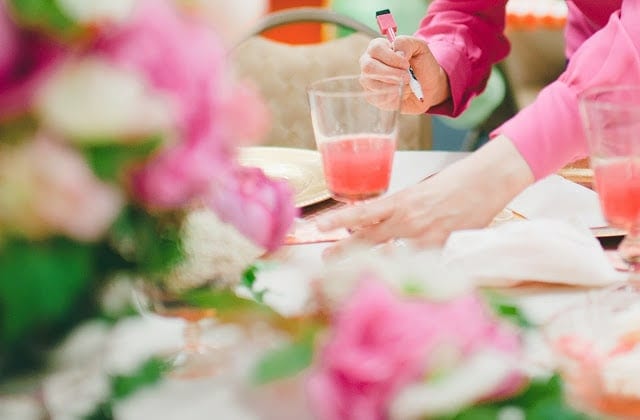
(549, 133)
(466, 38)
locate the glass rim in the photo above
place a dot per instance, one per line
(316, 89)
(591, 97)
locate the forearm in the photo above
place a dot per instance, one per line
(498, 170)
(549, 132)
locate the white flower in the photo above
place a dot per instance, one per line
(405, 270)
(91, 100)
(474, 378)
(215, 252)
(97, 11)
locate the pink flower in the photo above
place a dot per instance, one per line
(381, 344)
(181, 58)
(185, 61)
(262, 209)
(246, 115)
(180, 174)
(26, 58)
(47, 188)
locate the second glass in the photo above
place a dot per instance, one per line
(611, 117)
(356, 130)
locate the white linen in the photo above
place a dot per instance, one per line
(555, 197)
(549, 251)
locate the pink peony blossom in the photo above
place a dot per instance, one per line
(180, 58)
(381, 344)
(180, 174)
(47, 188)
(185, 61)
(246, 115)
(260, 208)
(26, 58)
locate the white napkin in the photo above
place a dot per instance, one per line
(555, 197)
(549, 251)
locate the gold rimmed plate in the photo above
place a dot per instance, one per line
(302, 168)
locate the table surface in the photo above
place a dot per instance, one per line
(539, 302)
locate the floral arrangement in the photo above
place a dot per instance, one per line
(402, 336)
(118, 120)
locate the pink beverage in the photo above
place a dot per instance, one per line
(618, 184)
(358, 167)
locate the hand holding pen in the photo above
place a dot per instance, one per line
(388, 27)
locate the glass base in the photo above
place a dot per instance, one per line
(207, 351)
(629, 250)
(204, 362)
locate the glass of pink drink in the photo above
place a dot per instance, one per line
(611, 118)
(355, 131)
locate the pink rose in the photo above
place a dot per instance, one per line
(260, 208)
(47, 188)
(380, 344)
(26, 58)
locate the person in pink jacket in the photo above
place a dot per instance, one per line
(452, 53)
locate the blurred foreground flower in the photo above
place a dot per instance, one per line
(46, 188)
(117, 119)
(404, 357)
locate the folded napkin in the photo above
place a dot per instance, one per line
(557, 198)
(548, 251)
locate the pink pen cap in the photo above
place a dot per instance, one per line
(388, 28)
(387, 24)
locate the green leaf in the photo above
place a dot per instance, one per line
(40, 283)
(109, 159)
(148, 374)
(249, 277)
(152, 243)
(542, 399)
(479, 413)
(507, 309)
(45, 15)
(123, 386)
(225, 302)
(286, 361)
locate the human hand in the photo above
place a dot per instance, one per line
(462, 196)
(384, 62)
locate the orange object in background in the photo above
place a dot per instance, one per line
(296, 33)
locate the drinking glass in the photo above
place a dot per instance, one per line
(356, 130)
(197, 357)
(611, 118)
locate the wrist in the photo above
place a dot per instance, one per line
(443, 90)
(503, 172)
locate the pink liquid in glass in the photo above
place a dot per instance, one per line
(618, 184)
(357, 168)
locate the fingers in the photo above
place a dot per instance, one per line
(380, 55)
(409, 46)
(356, 216)
(385, 92)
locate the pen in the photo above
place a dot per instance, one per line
(388, 27)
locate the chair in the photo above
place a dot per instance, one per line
(283, 71)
